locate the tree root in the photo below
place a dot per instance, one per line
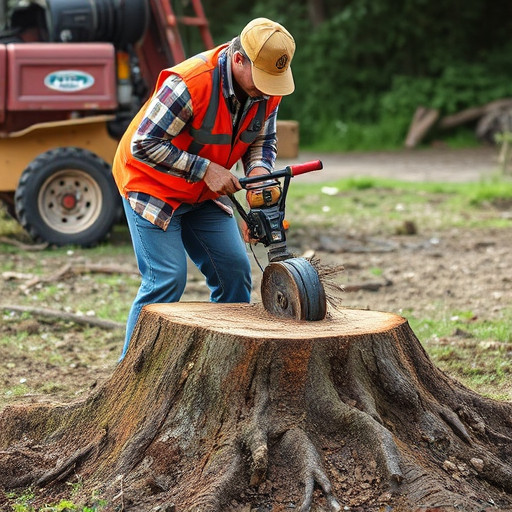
(255, 436)
(216, 490)
(63, 469)
(259, 465)
(91, 451)
(298, 448)
(335, 412)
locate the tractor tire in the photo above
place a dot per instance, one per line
(66, 196)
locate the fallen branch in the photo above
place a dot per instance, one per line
(473, 113)
(103, 269)
(72, 270)
(12, 276)
(63, 315)
(21, 245)
(423, 119)
(372, 286)
(56, 276)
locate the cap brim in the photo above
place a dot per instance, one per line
(273, 85)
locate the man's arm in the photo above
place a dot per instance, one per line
(166, 116)
(263, 151)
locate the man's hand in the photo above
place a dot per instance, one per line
(246, 234)
(219, 180)
(258, 171)
(253, 194)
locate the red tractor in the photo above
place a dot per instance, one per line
(72, 74)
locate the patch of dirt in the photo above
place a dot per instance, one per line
(464, 270)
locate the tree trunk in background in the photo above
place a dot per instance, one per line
(316, 12)
(221, 407)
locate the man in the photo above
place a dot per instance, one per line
(173, 163)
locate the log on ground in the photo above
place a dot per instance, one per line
(222, 407)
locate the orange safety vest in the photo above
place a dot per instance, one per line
(210, 134)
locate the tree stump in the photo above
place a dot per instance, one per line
(222, 407)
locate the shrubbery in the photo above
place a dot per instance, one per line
(361, 73)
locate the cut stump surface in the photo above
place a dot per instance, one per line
(252, 321)
(222, 407)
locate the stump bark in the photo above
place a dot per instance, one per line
(222, 407)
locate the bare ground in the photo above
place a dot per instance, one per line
(431, 273)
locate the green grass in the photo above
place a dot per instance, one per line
(476, 352)
(23, 502)
(443, 324)
(387, 202)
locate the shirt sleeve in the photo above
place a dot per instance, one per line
(166, 116)
(263, 151)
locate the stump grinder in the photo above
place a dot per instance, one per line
(290, 287)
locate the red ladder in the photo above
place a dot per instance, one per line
(172, 22)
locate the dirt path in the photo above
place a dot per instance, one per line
(433, 164)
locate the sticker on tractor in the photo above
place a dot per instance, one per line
(68, 81)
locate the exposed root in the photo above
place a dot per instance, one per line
(62, 469)
(344, 418)
(298, 448)
(256, 442)
(495, 472)
(67, 466)
(255, 437)
(217, 491)
(381, 442)
(259, 465)
(455, 424)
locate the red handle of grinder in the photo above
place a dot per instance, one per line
(314, 165)
(289, 170)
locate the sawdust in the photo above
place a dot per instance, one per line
(330, 276)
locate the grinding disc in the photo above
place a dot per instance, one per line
(292, 289)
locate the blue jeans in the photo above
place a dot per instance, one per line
(209, 236)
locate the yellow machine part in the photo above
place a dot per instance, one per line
(20, 148)
(266, 196)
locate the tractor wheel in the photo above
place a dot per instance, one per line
(66, 196)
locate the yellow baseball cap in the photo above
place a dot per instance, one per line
(270, 47)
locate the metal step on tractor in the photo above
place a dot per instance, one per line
(72, 75)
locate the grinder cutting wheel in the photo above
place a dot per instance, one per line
(290, 286)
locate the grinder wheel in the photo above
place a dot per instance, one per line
(292, 289)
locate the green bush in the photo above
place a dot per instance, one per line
(361, 73)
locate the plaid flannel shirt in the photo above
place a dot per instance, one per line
(167, 115)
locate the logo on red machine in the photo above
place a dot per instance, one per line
(68, 80)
